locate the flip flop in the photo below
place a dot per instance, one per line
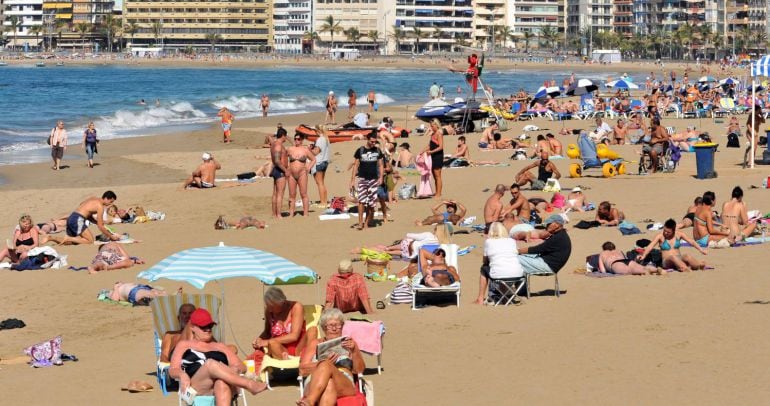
(137, 386)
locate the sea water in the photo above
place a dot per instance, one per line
(178, 98)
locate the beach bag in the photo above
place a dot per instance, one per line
(401, 294)
(407, 191)
(46, 353)
(338, 203)
(246, 175)
(732, 141)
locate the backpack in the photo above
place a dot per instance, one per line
(407, 191)
(732, 141)
(401, 294)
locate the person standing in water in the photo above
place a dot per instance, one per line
(371, 98)
(227, 123)
(265, 102)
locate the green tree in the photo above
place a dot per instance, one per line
(110, 26)
(332, 27)
(213, 38)
(13, 27)
(503, 35)
(527, 37)
(398, 36)
(353, 34)
(418, 35)
(82, 29)
(374, 36)
(131, 28)
(438, 34)
(157, 31)
(36, 30)
(311, 36)
(549, 34)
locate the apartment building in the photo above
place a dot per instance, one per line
(91, 11)
(488, 17)
(645, 16)
(443, 22)
(291, 20)
(623, 17)
(364, 15)
(532, 15)
(237, 24)
(594, 16)
(29, 14)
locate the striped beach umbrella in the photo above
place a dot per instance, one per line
(581, 87)
(198, 266)
(622, 84)
(729, 81)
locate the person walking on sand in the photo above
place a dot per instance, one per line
(58, 142)
(371, 98)
(265, 102)
(89, 143)
(227, 123)
(331, 109)
(280, 160)
(368, 171)
(351, 103)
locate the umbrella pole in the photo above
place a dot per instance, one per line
(753, 121)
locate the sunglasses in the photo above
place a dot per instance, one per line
(298, 139)
(207, 328)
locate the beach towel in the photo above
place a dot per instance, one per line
(465, 250)
(424, 165)
(341, 216)
(627, 228)
(368, 335)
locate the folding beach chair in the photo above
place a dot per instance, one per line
(364, 396)
(556, 281)
(506, 290)
(451, 259)
(312, 317)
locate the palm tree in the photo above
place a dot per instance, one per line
(503, 34)
(418, 35)
(332, 27)
(213, 38)
(760, 38)
(157, 31)
(398, 35)
(83, 28)
(36, 30)
(59, 27)
(13, 27)
(374, 36)
(549, 34)
(109, 26)
(686, 34)
(311, 36)
(131, 28)
(461, 41)
(527, 37)
(438, 33)
(353, 34)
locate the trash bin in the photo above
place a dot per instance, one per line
(704, 160)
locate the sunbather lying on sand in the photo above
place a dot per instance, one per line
(410, 245)
(112, 256)
(243, 222)
(453, 213)
(607, 215)
(612, 260)
(135, 294)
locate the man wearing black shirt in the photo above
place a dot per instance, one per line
(367, 177)
(552, 254)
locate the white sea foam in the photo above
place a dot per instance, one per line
(132, 120)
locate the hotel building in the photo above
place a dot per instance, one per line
(443, 21)
(29, 14)
(244, 24)
(291, 20)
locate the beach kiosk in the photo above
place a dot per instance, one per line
(344, 54)
(606, 56)
(759, 68)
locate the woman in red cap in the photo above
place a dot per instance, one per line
(209, 367)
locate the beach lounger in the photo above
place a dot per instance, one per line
(451, 259)
(364, 387)
(368, 336)
(312, 317)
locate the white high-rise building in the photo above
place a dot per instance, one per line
(442, 23)
(29, 14)
(291, 20)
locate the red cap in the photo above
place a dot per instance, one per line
(201, 318)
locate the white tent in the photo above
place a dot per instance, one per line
(606, 55)
(759, 68)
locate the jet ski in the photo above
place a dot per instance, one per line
(451, 113)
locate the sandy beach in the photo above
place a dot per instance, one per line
(697, 338)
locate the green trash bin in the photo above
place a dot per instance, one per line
(704, 160)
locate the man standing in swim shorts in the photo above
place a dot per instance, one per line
(58, 142)
(227, 123)
(280, 164)
(371, 98)
(77, 225)
(368, 172)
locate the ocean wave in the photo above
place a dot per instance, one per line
(22, 146)
(132, 120)
(281, 103)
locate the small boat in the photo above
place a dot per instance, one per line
(342, 134)
(40, 64)
(59, 63)
(3, 64)
(451, 113)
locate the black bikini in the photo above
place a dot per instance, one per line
(192, 360)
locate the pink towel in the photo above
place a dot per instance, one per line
(367, 335)
(424, 165)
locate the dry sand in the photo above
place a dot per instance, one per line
(698, 338)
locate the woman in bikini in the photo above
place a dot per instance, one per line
(284, 333)
(669, 242)
(435, 271)
(704, 229)
(25, 237)
(435, 149)
(689, 218)
(301, 159)
(209, 367)
(331, 375)
(331, 109)
(612, 260)
(735, 216)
